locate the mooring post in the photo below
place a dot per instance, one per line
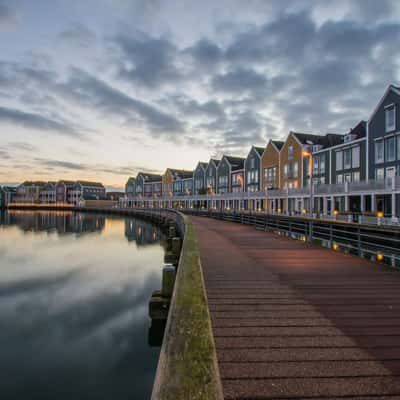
(176, 245)
(168, 280)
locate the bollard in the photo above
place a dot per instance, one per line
(168, 280)
(176, 245)
(172, 231)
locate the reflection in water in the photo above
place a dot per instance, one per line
(74, 298)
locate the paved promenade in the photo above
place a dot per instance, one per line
(291, 320)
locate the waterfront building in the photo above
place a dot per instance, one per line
(48, 193)
(199, 178)
(226, 167)
(130, 188)
(177, 182)
(29, 191)
(8, 195)
(85, 190)
(63, 189)
(211, 176)
(270, 165)
(148, 185)
(384, 147)
(252, 168)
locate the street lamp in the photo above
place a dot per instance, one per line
(310, 167)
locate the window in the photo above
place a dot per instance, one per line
(295, 169)
(356, 176)
(322, 164)
(316, 165)
(347, 177)
(347, 158)
(398, 147)
(391, 149)
(390, 172)
(379, 158)
(339, 160)
(339, 178)
(379, 173)
(285, 170)
(252, 162)
(355, 157)
(290, 152)
(390, 118)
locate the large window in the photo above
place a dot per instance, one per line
(379, 157)
(398, 147)
(285, 170)
(339, 160)
(391, 149)
(252, 163)
(290, 152)
(347, 158)
(390, 118)
(295, 169)
(339, 178)
(355, 157)
(322, 164)
(379, 173)
(356, 176)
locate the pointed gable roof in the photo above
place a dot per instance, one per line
(235, 162)
(278, 144)
(259, 150)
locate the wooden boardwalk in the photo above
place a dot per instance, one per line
(291, 320)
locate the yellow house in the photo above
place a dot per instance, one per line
(270, 165)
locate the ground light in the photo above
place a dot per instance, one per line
(379, 214)
(379, 257)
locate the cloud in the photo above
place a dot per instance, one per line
(37, 122)
(95, 93)
(147, 61)
(77, 35)
(8, 17)
(22, 146)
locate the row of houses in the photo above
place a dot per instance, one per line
(369, 152)
(64, 191)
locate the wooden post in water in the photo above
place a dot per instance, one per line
(168, 280)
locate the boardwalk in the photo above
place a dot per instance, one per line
(291, 320)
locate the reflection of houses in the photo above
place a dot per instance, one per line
(230, 174)
(141, 232)
(62, 222)
(211, 176)
(48, 193)
(84, 190)
(29, 191)
(199, 178)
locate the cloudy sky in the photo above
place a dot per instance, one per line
(100, 89)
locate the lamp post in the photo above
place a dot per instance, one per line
(310, 167)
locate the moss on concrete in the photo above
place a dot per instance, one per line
(188, 366)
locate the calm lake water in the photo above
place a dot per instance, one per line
(74, 293)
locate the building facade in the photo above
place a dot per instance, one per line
(199, 178)
(226, 167)
(48, 193)
(130, 188)
(270, 165)
(252, 169)
(211, 176)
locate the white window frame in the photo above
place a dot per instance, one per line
(355, 157)
(388, 109)
(339, 167)
(379, 142)
(391, 139)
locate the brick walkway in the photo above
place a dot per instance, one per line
(291, 320)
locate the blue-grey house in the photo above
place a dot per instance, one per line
(252, 169)
(199, 178)
(225, 168)
(211, 176)
(383, 146)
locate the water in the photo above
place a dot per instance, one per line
(74, 292)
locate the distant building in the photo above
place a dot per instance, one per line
(178, 182)
(85, 190)
(48, 193)
(114, 196)
(148, 185)
(8, 194)
(29, 191)
(130, 188)
(63, 189)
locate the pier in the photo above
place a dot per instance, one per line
(292, 320)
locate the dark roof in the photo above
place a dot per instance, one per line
(308, 138)
(181, 173)
(279, 144)
(9, 188)
(202, 164)
(332, 139)
(88, 183)
(67, 183)
(360, 130)
(34, 183)
(259, 150)
(236, 162)
(216, 162)
(150, 177)
(131, 178)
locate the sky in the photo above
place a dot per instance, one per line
(103, 89)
